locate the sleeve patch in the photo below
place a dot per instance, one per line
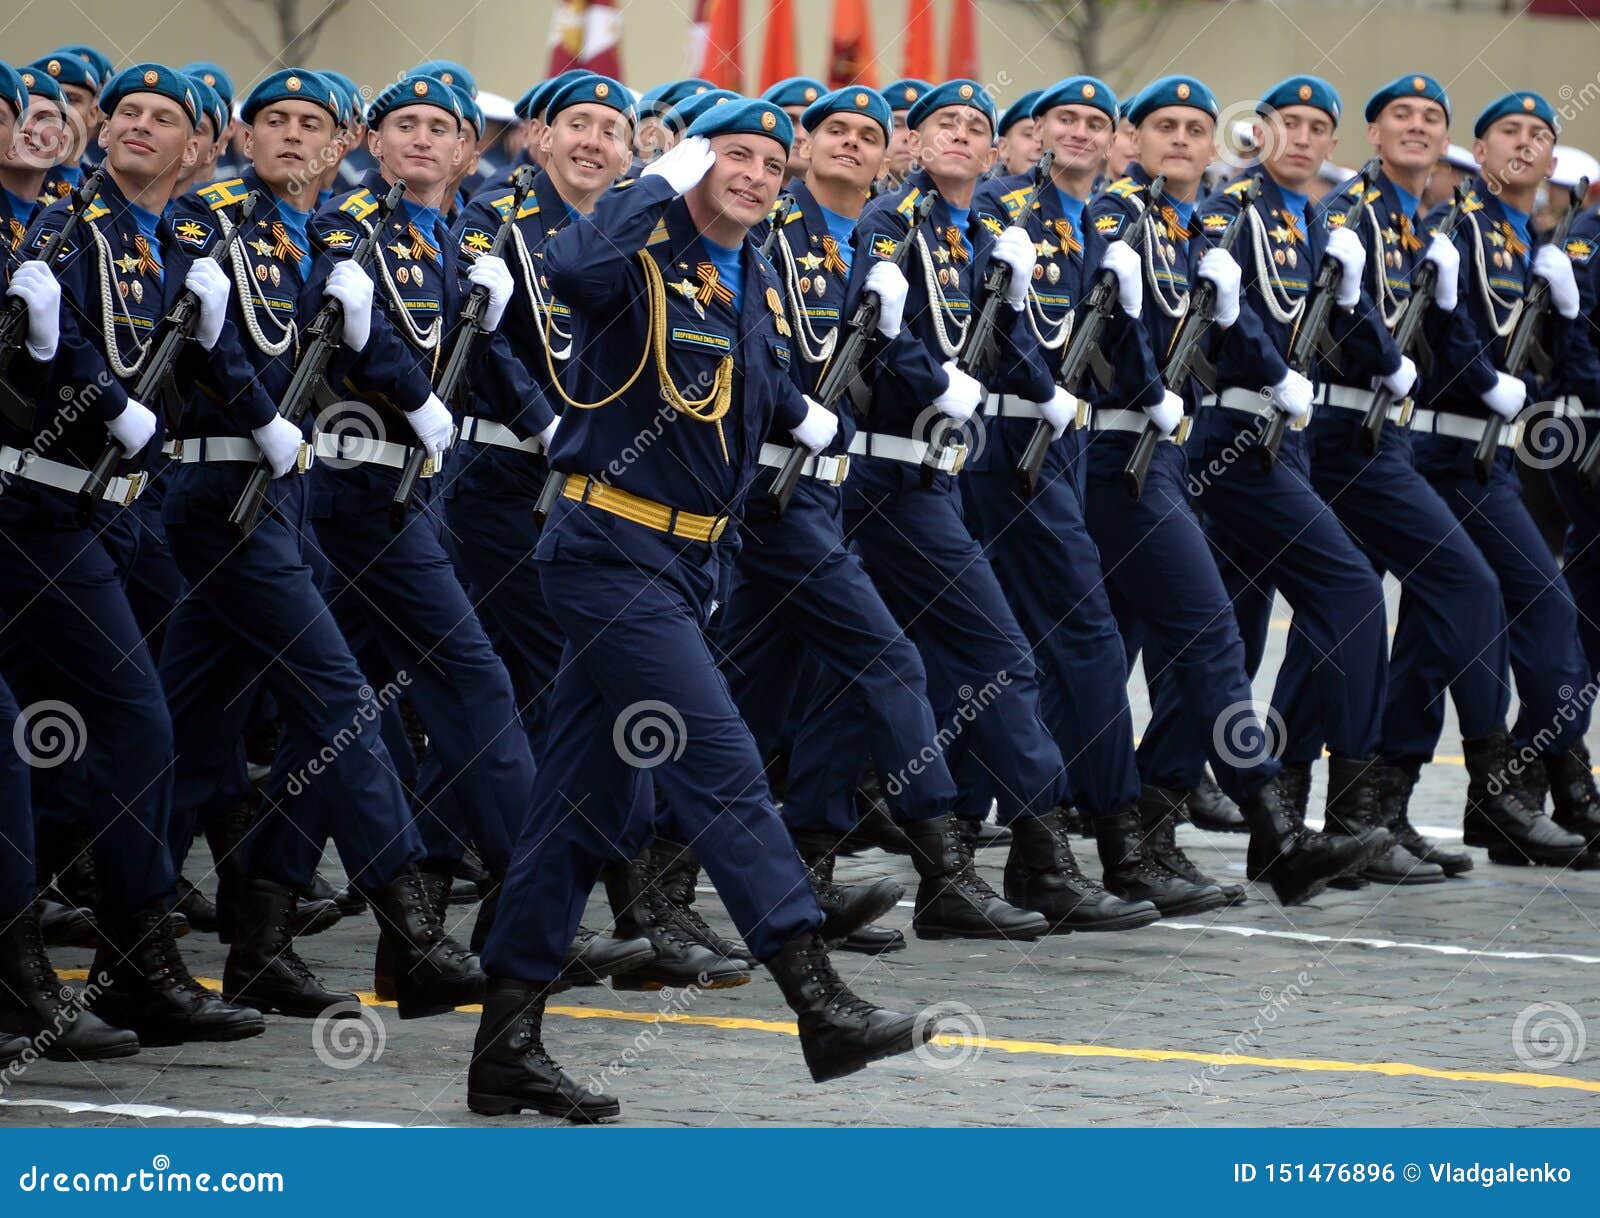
(992, 223)
(339, 239)
(192, 232)
(1215, 222)
(475, 241)
(1580, 250)
(1108, 225)
(884, 245)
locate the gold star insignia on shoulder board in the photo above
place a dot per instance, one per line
(127, 264)
(261, 248)
(809, 262)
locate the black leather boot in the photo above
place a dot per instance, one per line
(953, 900)
(1208, 807)
(1498, 819)
(874, 941)
(39, 1006)
(436, 882)
(1042, 875)
(839, 1032)
(875, 826)
(1575, 802)
(510, 1070)
(1355, 805)
(642, 911)
(1296, 861)
(347, 900)
(677, 873)
(1395, 781)
(198, 908)
(12, 1048)
(981, 835)
(224, 832)
(1159, 809)
(66, 925)
(1133, 874)
(430, 972)
(846, 908)
(263, 970)
(593, 957)
(1295, 782)
(151, 992)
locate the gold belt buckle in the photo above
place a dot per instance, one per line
(1512, 437)
(1304, 420)
(303, 458)
(959, 459)
(841, 470)
(136, 483)
(429, 467)
(1181, 435)
(1082, 418)
(1408, 407)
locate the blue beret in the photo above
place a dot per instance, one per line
(471, 112)
(1301, 91)
(683, 115)
(952, 93)
(69, 70)
(448, 71)
(1416, 85)
(532, 103)
(295, 84)
(745, 116)
(413, 90)
(796, 91)
(152, 78)
(213, 75)
(901, 93)
(1017, 111)
(42, 84)
(1517, 103)
(348, 101)
(93, 56)
(210, 105)
(1171, 91)
(669, 93)
(594, 90)
(852, 99)
(1076, 91)
(12, 90)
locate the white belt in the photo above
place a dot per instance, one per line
(487, 431)
(1347, 397)
(1134, 421)
(204, 449)
(1460, 427)
(901, 448)
(1252, 401)
(1570, 406)
(832, 470)
(363, 450)
(1010, 406)
(70, 478)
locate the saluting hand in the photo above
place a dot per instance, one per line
(683, 165)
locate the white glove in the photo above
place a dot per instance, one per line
(1555, 268)
(133, 427)
(492, 273)
(817, 429)
(34, 285)
(1061, 411)
(1167, 413)
(1443, 253)
(1402, 380)
(1292, 395)
(683, 165)
(1218, 266)
(1015, 248)
(1507, 396)
(1121, 260)
(547, 437)
(889, 282)
(432, 423)
(352, 287)
(961, 396)
(1345, 248)
(210, 285)
(279, 442)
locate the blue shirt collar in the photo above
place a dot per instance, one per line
(841, 229)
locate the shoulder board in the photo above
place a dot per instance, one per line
(991, 222)
(658, 234)
(96, 209)
(218, 195)
(1015, 199)
(1237, 189)
(1124, 188)
(1580, 250)
(621, 182)
(1214, 222)
(1471, 202)
(192, 232)
(795, 215)
(530, 207)
(360, 205)
(884, 245)
(909, 204)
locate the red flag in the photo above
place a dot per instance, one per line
(963, 57)
(586, 34)
(852, 61)
(919, 40)
(722, 65)
(777, 53)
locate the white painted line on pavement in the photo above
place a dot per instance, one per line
(151, 1112)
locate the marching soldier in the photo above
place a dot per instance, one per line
(39, 141)
(210, 137)
(793, 96)
(901, 95)
(79, 86)
(630, 569)
(1019, 147)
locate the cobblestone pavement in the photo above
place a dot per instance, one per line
(1418, 1006)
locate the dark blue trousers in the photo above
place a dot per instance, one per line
(16, 814)
(1581, 567)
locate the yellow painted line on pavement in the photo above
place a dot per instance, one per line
(728, 1023)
